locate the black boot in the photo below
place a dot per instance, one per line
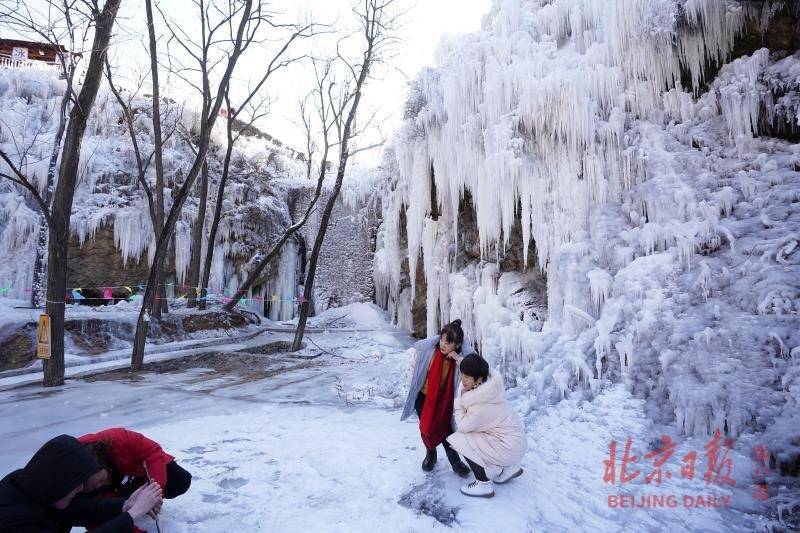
(430, 460)
(455, 461)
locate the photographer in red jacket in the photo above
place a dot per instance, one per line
(127, 458)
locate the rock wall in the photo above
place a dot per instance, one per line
(532, 294)
(98, 263)
(344, 270)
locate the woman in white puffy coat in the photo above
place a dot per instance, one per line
(488, 432)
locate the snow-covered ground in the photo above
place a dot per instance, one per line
(315, 443)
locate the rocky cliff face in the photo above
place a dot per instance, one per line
(344, 270)
(532, 294)
(113, 241)
(604, 192)
(99, 263)
(17, 345)
(774, 25)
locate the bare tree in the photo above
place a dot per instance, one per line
(378, 25)
(326, 117)
(200, 298)
(311, 145)
(158, 151)
(251, 109)
(59, 213)
(197, 238)
(227, 29)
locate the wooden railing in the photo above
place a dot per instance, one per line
(7, 62)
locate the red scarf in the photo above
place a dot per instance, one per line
(434, 423)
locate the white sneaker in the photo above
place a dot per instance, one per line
(507, 474)
(479, 489)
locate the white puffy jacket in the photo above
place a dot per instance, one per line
(488, 430)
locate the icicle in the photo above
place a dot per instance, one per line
(703, 281)
(625, 350)
(430, 255)
(589, 319)
(548, 116)
(600, 286)
(284, 287)
(133, 233)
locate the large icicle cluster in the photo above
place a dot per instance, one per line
(654, 211)
(109, 198)
(27, 107)
(529, 115)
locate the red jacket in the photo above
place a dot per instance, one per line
(130, 449)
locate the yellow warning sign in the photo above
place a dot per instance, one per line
(43, 343)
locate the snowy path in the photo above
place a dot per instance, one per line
(287, 453)
(79, 366)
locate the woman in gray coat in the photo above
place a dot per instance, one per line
(434, 381)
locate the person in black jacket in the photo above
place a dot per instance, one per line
(43, 496)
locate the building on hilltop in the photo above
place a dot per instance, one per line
(16, 53)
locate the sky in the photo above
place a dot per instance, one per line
(424, 23)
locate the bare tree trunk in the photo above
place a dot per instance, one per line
(38, 286)
(373, 27)
(344, 153)
(308, 289)
(162, 247)
(212, 236)
(141, 177)
(197, 239)
(158, 145)
(65, 192)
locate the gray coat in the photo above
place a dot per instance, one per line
(424, 353)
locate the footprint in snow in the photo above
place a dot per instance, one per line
(232, 483)
(428, 498)
(199, 449)
(215, 498)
